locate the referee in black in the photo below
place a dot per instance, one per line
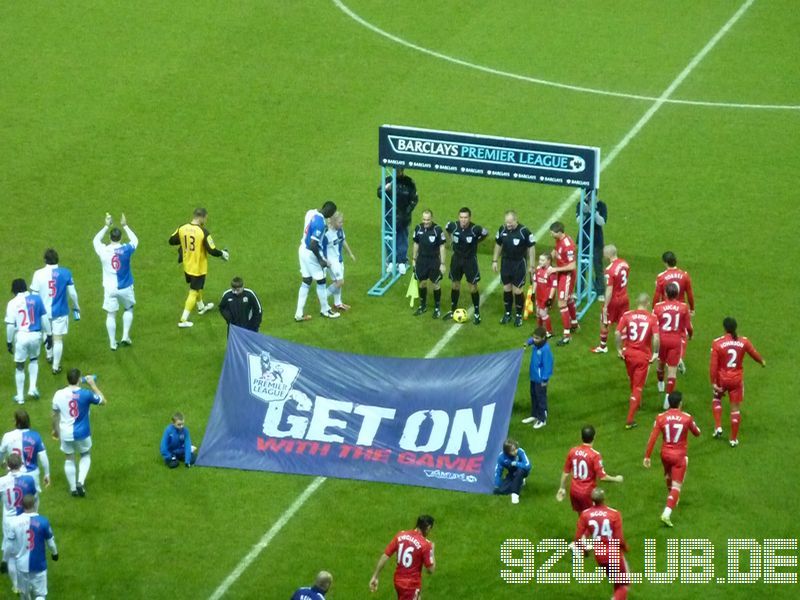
(516, 243)
(428, 261)
(465, 235)
(240, 306)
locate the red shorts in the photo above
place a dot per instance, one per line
(566, 285)
(637, 366)
(671, 350)
(581, 500)
(675, 466)
(733, 386)
(621, 574)
(616, 308)
(406, 592)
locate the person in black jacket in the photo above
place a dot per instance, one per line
(240, 306)
(407, 200)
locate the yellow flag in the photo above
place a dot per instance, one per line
(413, 291)
(528, 303)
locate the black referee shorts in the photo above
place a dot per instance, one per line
(514, 271)
(428, 268)
(464, 266)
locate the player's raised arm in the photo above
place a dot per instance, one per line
(97, 242)
(90, 380)
(132, 239)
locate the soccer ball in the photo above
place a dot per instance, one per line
(460, 315)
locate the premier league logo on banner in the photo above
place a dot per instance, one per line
(270, 379)
(294, 409)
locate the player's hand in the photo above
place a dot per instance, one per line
(10, 347)
(55, 557)
(620, 479)
(54, 434)
(46, 480)
(373, 584)
(76, 314)
(646, 463)
(763, 364)
(620, 354)
(494, 266)
(123, 221)
(549, 303)
(653, 358)
(225, 254)
(109, 220)
(560, 494)
(549, 271)
(717, 389)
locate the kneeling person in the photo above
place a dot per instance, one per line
(514, 462)
(176, 443)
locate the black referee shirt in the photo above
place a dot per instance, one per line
(429, 240)
(515, 242)
(465, 240)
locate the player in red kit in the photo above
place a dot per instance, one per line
(585, 465)
(546, 285)
(616, 295)
(675, 328)
(565, 255)
(674, 425)
(603, 525)
(637, 344)
(673, 274)
(726, 371)
(414, 551)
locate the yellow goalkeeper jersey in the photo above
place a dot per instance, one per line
(195, 244)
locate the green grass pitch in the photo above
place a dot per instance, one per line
(261, 110)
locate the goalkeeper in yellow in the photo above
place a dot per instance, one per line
(195, 244)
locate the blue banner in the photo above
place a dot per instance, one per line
(290, 408)
(489, 156)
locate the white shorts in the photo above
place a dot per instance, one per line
(336, 270)
(113, 298)
(61, 325)
(76, 446)
(309, 265)
(28, 345)
(32, 585)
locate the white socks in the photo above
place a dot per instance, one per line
(302, 296)
(83, 468)
(69, 471)
(58, 351)
(127, 321)
(33, 372)
(19, 377)
(322, 294)
(111, 327)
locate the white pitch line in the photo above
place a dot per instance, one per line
(440, 345)
(546, 82)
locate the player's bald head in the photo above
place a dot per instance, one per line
(610, 251)
(324, 580)
(643, 300)
(598, 496)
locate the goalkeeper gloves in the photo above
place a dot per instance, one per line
(225, 254)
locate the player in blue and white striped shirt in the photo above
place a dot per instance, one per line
(26, 320)
(54, 284)
(71, 406)
(332, 243)
(313, 263)
(31, 534)
(14, 486)
(117, 278)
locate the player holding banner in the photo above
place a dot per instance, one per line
(675, 327)
(637, 340)
(615, 303)
(115, 258)
(674, 425)
(414, 551)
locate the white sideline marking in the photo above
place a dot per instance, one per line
(564, 86)
(568, 202)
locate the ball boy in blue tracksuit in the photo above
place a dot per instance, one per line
(540, 373)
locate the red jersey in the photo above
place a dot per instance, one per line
(565, 252)
(727, 356)
(675, 426)
(602, 524)
(413, 551)
(617, 277)
(674, 275)
(545, 284)
(637, 328)
(586, 466)
(674, 319)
